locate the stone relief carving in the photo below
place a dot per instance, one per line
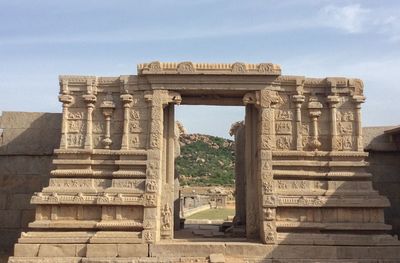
(75, 140)
(269, 201)
(266, 68)
(71, 183)
(345, 116)
(270, 237)
(127, 183)
(155, 141)
(345, 127)
(75, 126)
(166, 214)
(151, 186)
(283, 128)
(284, 142)
(150, 200)
(283, 115)
(268, 98)
(268, 187)
(269, 213)
(148, 236)
(239, 67)
(154, 67)
(185, 67)
(75, 115)
(134, 115)
(267, 142)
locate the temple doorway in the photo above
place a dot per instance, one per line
(209, 205)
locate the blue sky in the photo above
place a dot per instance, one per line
(40, 40)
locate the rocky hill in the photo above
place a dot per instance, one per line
(205, 160)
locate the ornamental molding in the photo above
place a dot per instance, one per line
(187, 67)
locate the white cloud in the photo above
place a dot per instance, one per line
(389, 26)
(350, 18)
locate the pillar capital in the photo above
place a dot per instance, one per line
(333, 100)
(264, 98)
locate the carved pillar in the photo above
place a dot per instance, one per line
(265, 101)
(151, 215)
(171, 145)
(298, 101)
(127, 102)
(333, 100)
(90, 99)
(159, 212)
(238, 131)
(107, 107)
(314, 107)
(66, 100)
(358, 100)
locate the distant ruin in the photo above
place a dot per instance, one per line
(111, 195)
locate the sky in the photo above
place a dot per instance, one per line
(40, 40)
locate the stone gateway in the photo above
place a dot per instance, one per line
(307, 194)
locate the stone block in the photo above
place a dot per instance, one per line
(14, 120)
(27, 216)
(102, 250)
(10, 218)
(26, 250)
(133, 250)
(3, 201)
(8, 237)
(20, 202)
(57, 250)
(186, 250)
(388, 252)
(217, 258)
(81, 250)
(24, 184)
(30, 140)
(309, 252)
(239, 249)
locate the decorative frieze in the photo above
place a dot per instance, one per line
(207, 68)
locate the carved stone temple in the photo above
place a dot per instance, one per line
(305, 195)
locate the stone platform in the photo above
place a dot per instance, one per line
(208, 251)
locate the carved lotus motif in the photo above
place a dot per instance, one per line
(54, 198)
(266, 68)
(104, 199)
(79, 198)
(154, 67)
(148, 236)
(185, 67)
(119, 199)
(239, 68)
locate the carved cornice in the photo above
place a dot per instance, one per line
(237, 68)
(101, 152)
(77, 79)
(320, 153)
(332, 201)
(106, 199)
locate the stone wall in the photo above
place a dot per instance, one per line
(384, 159)
(27, 141)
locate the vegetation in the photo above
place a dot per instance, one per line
(205, 161)
(214, 214)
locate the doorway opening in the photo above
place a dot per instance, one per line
(206, 172)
